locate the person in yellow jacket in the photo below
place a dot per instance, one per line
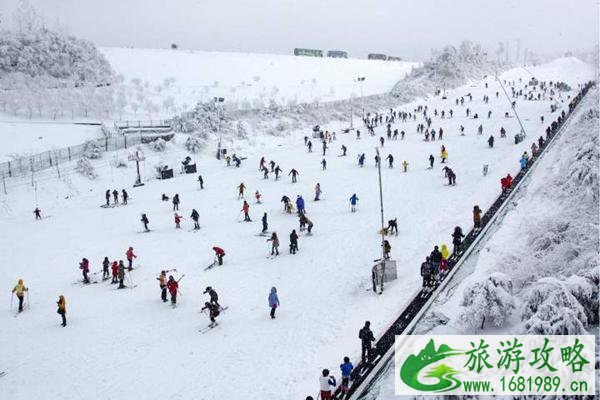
(405, 165)
(445, 255)
(444, 154)
(62, 309)
(20, 290)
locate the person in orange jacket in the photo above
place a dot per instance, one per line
(130, 256)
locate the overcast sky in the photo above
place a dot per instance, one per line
(405, 28)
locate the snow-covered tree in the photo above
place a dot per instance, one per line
(487, 300)
(194, 144)
(159, 145)
(550, 308)
(92, 150)
(85, 168)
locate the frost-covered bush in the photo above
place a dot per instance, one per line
(158, 169)
(159, 145)
(92, 150)
(487, 300)
(241, 129)
(85, 168)
(118, 162)
(550, 308)
(194, 143)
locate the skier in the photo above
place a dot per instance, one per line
(393, 226)
(425, 273)
(213, 313)
(444, 154)
(324, 164)
(84, 266)
(353, 201)
(214, 296)
(436, 257)
(477, 217)
(300, 205)
(115, 272)
(105, 265)
(381, 141)
(293, 242)
(162, 283)
(241, 189)
(176, 202)
(361, 159)
(318, 192)
(457, 237)
(273, 301)
(324, 147)
(130, 256)
(357, 134)
(491, 141)
(125, 196)
(377, 160)
(265, 171)
(431, 160)
(274, 244)
(326, 383)
(390, 159)
(19, 290)
(38, 213)
(304, 221)
(277, 172)
(346, 370)
(173, 286)
(265, 225)
(294, 174)
(257, 196)
(115, 194)
(246, 210)
(145, 222)
(523, 163)
(344, 149)
(451, 177)
(272, 165)
(366, 338)
(287, 206)
(405, 166)
(444, 262)
(62, 309)
(262, 163)
(121, 275)
(195, 216)
(219, 254)
(201, 181)
(387, 248)
(309, 145)
(107, 197)
(178, 219)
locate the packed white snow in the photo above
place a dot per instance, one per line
(124, 343)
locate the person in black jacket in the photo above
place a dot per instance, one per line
(214, 297)
(436, 257)
(426, 272)
(265, 225)
(293, 242)
(195, 216)
(366, 338)
(457, 237)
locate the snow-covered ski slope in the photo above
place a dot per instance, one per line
(127, 343)
(251, 77)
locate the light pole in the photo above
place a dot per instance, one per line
(360, 80)
(218, 100)
(383, 259)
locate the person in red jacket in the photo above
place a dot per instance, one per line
(173, 286)
(178, 219)
(130, 256)
(84, 266)
(115, 272)
(246, 210)
(509, 180)
(503, 184)
(219, 253)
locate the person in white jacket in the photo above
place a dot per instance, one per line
(326, 383)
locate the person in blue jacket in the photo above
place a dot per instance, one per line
(353, 201)
(523, 162)
(300, 204)
(346, 369)
(273, 301)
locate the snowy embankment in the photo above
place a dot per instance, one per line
(246, 80)
(120, 344)
(537, 272)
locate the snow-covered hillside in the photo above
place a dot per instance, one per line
(542, 259)
(181, 78)
(124, 343)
